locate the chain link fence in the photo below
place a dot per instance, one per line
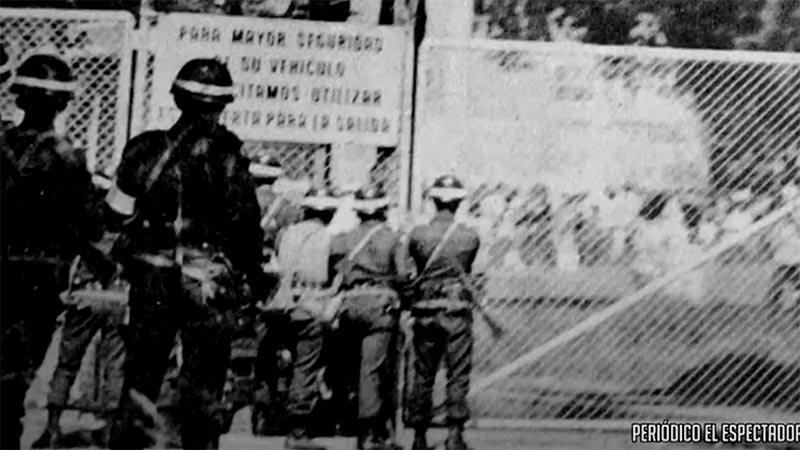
(626, 293)
(98, 46)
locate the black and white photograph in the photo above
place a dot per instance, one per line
(400, 224)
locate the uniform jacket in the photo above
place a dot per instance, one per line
(209, 175)
(377, 263)
(303, 253)
(47, 194)
(459, 251)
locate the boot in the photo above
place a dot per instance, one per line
(48, 439)
(101, 436)
(376, 439)
(455, 439)
(298, 439)
(52, 434)
(420, 440)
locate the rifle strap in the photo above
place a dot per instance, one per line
(439, 247)
(337, 281)
(363, 242)
(272, 211)
(30, 150)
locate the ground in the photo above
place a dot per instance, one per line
(494, 439)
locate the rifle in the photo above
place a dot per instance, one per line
(474, 291)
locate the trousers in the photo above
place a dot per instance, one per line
(80, 327)
(30, 306)
(440, 334)
(272, 377)
(368, 317)
(308, 334)
(162, 304)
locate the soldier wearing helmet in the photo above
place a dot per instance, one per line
(366, 260)
(185, 204)
(46, 222)
(277, 212)
(303, 258)
(250, 383)
(443, 252)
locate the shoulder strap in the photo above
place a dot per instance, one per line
(31, 149)
(438, 249)
(339, 278)
(158, 168)
(273, 210)
(363, 242)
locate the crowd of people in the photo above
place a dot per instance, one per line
(648, 230)
(189, 250)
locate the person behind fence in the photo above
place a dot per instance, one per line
(83, 319)
(366, 261)
(785, 282)
(45, 224)
(443, 252)
(303, 253)
(190, 245)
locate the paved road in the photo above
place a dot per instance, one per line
(494, 439)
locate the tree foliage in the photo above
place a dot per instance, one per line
(714, 24)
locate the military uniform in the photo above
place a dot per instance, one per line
(194, 237)
(303, 254)
(256, 362)
(370, 312)
(442, 314)
(82, 321)
(45, 223)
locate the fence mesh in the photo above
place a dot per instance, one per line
(558, 267)
(97, 45)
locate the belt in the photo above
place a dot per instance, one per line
(360, 287)
(441, 304)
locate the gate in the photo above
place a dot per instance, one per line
(620, 305)
(98, 46)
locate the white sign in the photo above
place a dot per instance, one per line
(295, 81)
(534, 113)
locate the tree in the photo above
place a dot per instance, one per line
(713, 24)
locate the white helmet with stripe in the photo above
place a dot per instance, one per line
(447, 188)
(204, 80)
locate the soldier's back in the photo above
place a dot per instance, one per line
(303, 251)
(375, 262)
(44, 181)
(460, 248)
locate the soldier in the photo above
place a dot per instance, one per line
(303, 254)
(82, 321)
(277, 213)
(45, 224)
(443, 252)
(366, 260)
(190, 240)
(247, 355)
